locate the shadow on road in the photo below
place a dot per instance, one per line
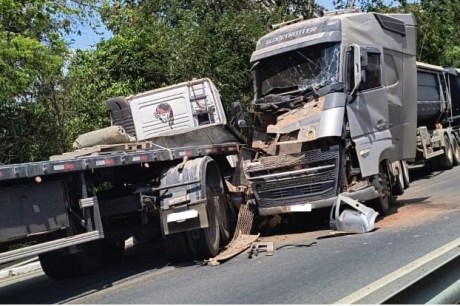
(139, 260)
(424, 173)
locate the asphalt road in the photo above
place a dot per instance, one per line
(313, 267)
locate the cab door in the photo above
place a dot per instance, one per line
(367, 111)
(369, 108)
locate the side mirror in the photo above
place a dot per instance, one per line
(237, 109)
(242, 123)
(238, 119)
(356, 67)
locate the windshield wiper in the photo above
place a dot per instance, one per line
(273, 102)
(321, 89)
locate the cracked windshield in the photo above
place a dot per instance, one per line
(298, 69)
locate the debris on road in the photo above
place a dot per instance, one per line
(260, 247)
(297, 245)
(359, 220)
(242, 238)
(236, 246)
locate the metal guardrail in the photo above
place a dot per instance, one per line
(439, 286)
(431, 279)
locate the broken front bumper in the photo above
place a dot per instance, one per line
(299, 182)
(292, 182)
(365, 194)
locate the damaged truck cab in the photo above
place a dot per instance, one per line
(334, 112)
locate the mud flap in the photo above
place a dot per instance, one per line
(242, 239)
(359, 220)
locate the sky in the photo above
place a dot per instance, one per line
(88, 37)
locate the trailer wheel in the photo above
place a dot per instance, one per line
(113, 250)
(205, 242)
(61, 264)
(405, 171)
(398, 186)
(456, 152)
(382, 184)
(446, 160)
(177, 247)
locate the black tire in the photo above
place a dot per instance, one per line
(113, 250)
(456, 152)
(405, 171)
(61, 264)
(398, 186)
(227, 219)
(446, 160)
(205, 242)
(385, 199)
(56, 266)
(177, 248)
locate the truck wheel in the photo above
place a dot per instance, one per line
(56, 266)
(446, 160)
(405, 171)
(113, 250)
(177, 247)
(61, 264)
(382, 184)
(456, 152)
(205, 242)
(398, 186)
(226, 218)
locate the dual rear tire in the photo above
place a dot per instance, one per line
(447, 160)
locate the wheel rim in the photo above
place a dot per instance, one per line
(405, 174)
(449, 154)
(400, 179)
(383, 202)
(211, 232)
(224, 222)
(204, 243)
(456, 149)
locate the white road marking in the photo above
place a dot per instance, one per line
(389, 278)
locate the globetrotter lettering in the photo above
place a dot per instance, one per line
(280, 38)
(164, 112)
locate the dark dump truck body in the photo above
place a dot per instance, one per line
(335, 111)
(454, 82)
(438, 118)
(169, 181)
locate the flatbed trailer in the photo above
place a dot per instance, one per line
(76, 210)
(112, 159)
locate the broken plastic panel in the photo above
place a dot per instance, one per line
(360, 219)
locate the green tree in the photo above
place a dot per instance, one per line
(32, 55)
(438, 29)
(157, 43)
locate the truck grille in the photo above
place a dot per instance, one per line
(292, 179)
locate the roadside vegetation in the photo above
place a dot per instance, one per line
(50, 93)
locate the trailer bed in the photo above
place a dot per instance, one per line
(113, 159)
